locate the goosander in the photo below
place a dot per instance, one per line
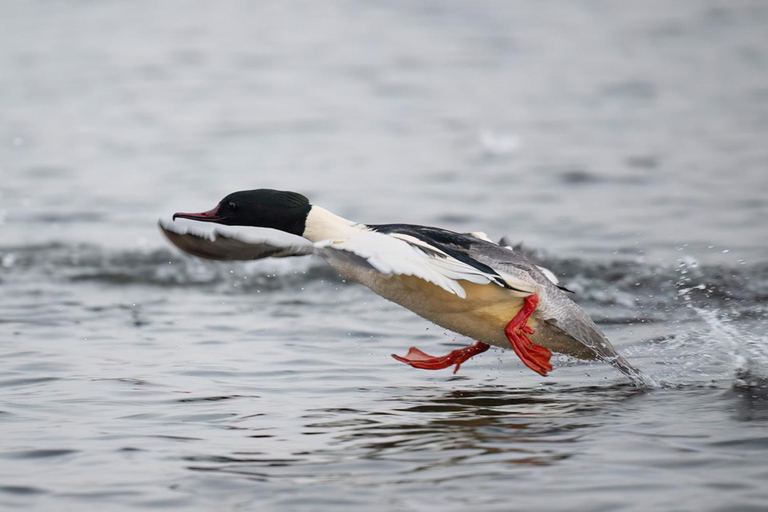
(463, 282)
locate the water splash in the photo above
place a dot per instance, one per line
(748, 352)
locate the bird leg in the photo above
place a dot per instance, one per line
(533, 356)
(419, 359)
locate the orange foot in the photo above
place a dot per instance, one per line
(419, 359)
(533, 356)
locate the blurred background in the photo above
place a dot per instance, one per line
(624, 143)
(591, 124)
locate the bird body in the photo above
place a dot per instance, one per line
(462, 282)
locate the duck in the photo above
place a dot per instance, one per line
(462, 282)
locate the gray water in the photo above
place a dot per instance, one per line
(624, 144)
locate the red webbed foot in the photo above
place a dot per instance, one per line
(419, 359)
(533, 356)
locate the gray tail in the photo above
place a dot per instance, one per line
(594, 345)
(637, 377)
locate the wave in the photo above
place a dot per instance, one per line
(702, 322)
(614, 286)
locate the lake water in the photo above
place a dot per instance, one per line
(624, 145)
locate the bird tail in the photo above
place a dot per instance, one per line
(576, 325)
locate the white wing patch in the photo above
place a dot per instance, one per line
(482, 235)
(549, 274)
(394, 254)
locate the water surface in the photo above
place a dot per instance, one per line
(623, 145)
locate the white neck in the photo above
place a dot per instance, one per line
(323, 225)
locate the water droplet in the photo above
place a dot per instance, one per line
(8, 260)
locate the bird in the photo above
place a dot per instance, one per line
(463, 282)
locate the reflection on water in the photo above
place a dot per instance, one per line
(426, 436)
(750, 396)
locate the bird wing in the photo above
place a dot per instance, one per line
(223, 243)
(388, 254)
(401, 254)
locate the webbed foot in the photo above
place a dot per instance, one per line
(533, 356)
(419, 359)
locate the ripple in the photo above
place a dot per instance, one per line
(31, 381)
(21, 490)
(37, 454)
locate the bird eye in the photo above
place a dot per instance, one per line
(232, 205)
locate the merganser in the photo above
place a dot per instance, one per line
(463, 282)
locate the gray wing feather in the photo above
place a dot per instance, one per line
(229, 246)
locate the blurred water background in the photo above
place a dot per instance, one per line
(625, 144)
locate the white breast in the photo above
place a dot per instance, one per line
(324, 225)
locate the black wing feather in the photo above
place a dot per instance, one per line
(456, 245)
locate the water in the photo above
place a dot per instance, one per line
(623, 145)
